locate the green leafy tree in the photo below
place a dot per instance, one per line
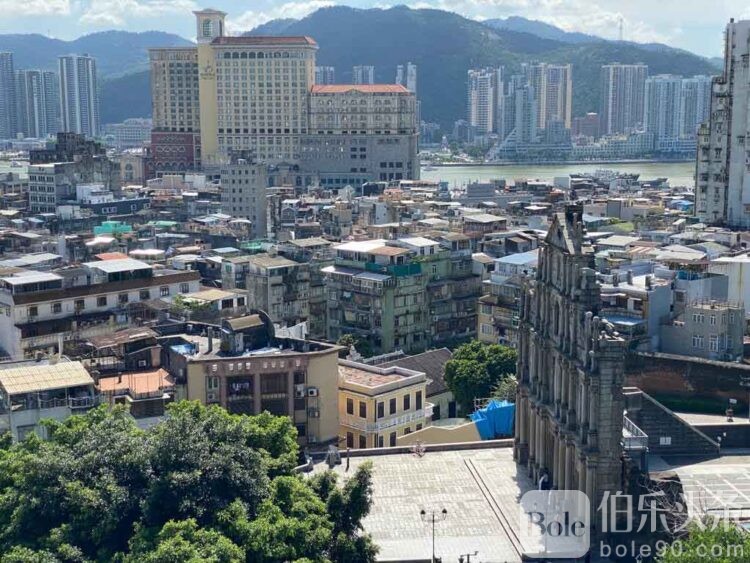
(347, 506)
(185, 542)
(476, 369)
(722, 543)
(201, 462)
(203, 485)
(20, 554)
(506, 388)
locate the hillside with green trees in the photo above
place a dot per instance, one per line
(203, 485)
(444, 45)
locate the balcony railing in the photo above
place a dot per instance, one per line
(390, 422)
(633, 438)
(70, 402)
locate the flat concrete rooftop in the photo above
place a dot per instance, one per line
(479, 488)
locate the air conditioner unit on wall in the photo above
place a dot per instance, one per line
(312, 391)
(299, 394)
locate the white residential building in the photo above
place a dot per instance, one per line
(662, 106)
(484, 89)
(39, 309)
(363, 74)
(621, 97)
(79, 97)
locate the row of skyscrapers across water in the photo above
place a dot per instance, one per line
(38, 103)
(535, 106)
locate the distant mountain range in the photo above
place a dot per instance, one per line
(116, 52)
(442, 44)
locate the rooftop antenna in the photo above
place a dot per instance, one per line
(621, 22)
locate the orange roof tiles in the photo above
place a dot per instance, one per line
(111, 256)
(264, 41)
(369, 379)
(364, 88)
(137, 382)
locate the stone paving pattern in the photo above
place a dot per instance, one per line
(404, 484)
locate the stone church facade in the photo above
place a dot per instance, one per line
(569, 408)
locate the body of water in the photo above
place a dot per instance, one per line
(679, 173)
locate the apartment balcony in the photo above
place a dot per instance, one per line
(419, 416)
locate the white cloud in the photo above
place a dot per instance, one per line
(570, 15)
(34, 7)
(296, 10)
(116, 12)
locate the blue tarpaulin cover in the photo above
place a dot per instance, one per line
(495, 420)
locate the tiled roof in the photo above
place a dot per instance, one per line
(363, 88)
(432, 363)
(264, 41)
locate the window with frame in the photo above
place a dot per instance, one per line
(350, 406)
(184, 288)
(164, 290)
(145, 294)
(349, 440)
(407, 402)
(392, 406)
(418, 400)
(101, 301)
(123, 298)
(33, 311)
(381, 409)
(392, 440)
(713, 343)
(212, 383)
(362, 409)
(362, 442)
(57, 307)
(80, 304)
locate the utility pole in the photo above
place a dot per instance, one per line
(468, 557)
(621, 23)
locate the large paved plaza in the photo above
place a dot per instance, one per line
(714, 486)
(480, 489)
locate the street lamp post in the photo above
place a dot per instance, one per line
(433, 517)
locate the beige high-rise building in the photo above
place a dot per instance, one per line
(253, 91)
(257, 96)
(239, 93)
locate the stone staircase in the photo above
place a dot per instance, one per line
(667, 433)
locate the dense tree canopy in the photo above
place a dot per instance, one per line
(476, 370)
(203, 485)
(718, 542)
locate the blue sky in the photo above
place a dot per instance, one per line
(696, 25)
